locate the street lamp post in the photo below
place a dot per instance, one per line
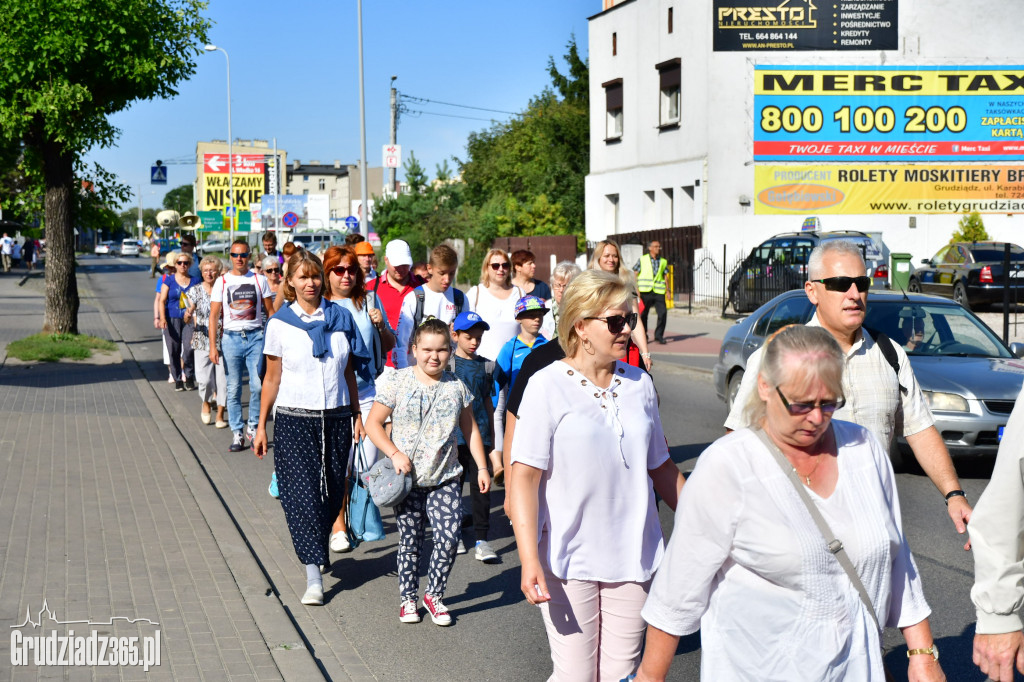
(231, 159)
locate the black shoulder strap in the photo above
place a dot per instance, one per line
(884, 344)
(417, 315)
(376, 283)
(460, 301)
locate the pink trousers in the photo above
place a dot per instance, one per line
(594, 629)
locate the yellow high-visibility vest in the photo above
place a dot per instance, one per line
(651, 281)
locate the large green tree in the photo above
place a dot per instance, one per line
(179, 199)
(65, 67)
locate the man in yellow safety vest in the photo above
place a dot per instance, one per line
(650, 282)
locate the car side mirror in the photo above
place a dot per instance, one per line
(926, 261)
(1017, 348)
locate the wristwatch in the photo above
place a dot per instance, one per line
(932, 651)
(955, 493)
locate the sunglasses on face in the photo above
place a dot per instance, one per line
(843, 284)
(340, 270)
(183, 262)
(240, 255)
(616, 323)
(499, 266)
(827, 406)
(276, 271)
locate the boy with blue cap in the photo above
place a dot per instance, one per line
(477, 373)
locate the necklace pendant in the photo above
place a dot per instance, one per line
(807, 478)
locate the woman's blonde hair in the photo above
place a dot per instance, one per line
(487, 264)
(821, 359)
(625, 273)
(302, 261)
(217, 263)
(588, 295)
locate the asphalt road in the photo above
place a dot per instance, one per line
(498, 636)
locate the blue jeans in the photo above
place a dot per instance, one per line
(242, 350)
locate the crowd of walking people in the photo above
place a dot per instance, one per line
(788, 551)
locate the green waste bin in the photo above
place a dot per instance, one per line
(899, 271)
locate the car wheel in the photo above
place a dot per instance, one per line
(960, 295)
(914, 286)
(734, 387)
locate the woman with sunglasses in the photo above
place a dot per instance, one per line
(587, 456)
(274, 272)
(178, 332)
(753, 569)
(608, 258)
(211, 377)
(494, 299)
(345, 286)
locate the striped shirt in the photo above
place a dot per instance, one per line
(873, 396)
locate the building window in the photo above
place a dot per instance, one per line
(615, 44)
(305, 191)
(334, 194)
(305, 178)
(322, 184)
(669, 19)
(613, 97)
(668, 106)
(611, 214)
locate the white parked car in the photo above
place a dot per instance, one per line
(130, 247)
(107, 248)
(213, 246)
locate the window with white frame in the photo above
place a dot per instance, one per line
(669, 76)
(322, 184)
(613, 106)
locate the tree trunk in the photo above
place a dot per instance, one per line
(61, 284)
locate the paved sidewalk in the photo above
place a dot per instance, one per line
(105, 513)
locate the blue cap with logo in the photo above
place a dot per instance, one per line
(468, 320)
(528, 303)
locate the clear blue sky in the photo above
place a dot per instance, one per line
(295, 76)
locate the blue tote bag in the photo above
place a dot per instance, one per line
(364, 520)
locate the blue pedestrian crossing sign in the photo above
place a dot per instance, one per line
(158, 174)
(352, 223)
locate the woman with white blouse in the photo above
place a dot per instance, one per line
(312, 349)
(494, 299)
(747, 564)
(587, 455)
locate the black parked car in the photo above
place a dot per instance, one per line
(970, 273)
(780, 264)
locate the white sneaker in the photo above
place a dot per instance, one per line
(485, 553)
(460, 548)
(314, 595)
(340, 543)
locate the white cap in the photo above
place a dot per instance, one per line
(398, 253)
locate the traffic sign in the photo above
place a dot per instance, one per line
(392, 156)
(158, 175)
(230, 210)
(352, 223)
(290, 219)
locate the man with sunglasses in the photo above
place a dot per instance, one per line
(236, 302)
(877, 398)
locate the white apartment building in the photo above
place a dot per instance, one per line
(672, 121)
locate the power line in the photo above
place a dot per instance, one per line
(416, 112)
(463, 106)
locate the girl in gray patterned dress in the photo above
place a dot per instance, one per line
(426, 405)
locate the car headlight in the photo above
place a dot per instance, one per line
(948, 402)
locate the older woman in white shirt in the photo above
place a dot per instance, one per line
(312, 348)
(494, 299)
(587, 456)
(747, 563)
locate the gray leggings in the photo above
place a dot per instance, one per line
(442, 506)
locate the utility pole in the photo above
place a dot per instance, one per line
(364, 222)
(393, 172)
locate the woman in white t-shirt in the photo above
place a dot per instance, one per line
(494, 299)
(313, 349)
(587, 455)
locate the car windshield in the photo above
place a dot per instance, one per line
(934, 329)
(995, 254)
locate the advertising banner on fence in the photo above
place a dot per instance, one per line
(249, 175)
(925, 113)
(888, 189)
(787, 25)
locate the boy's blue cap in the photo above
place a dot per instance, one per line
(468, 320)
(528, 303)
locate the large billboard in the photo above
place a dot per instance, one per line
(786, 25)
(887, 189)
(249, 174)
(898, 113)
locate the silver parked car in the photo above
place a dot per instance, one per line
(969, 377)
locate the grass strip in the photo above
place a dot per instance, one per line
(45, 347)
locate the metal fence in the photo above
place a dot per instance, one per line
(562, 247)
(677, 247)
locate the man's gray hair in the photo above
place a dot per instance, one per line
(565, 271)
(837, 246)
